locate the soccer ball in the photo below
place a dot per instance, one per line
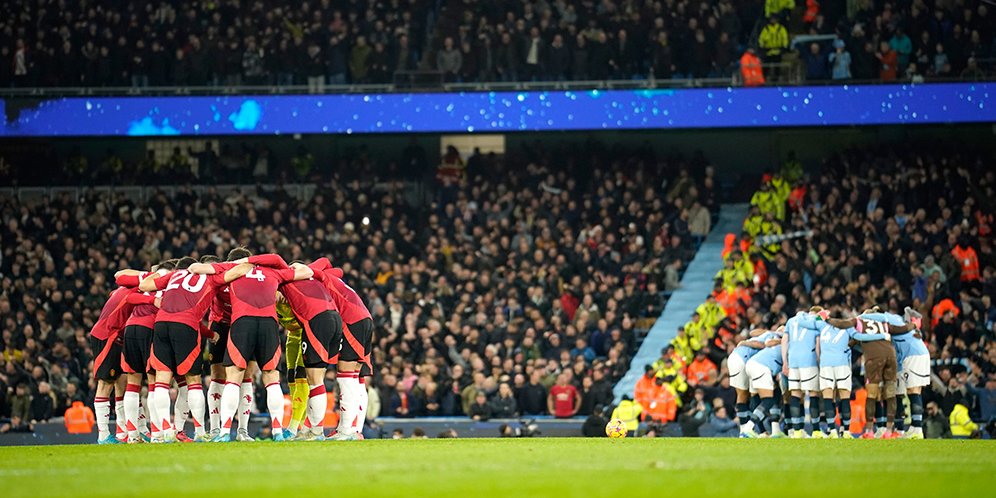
(615, 428)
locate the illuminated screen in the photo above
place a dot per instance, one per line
(490, 112)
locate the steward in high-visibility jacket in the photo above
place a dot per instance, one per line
(750, 69)
(664, 407)
(773, 39)
(643, 393)
(961, 422)
(968, 261)
(79, 419)
(711, 312)
(674, 377)
(629, 412)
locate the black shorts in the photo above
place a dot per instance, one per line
(356, 341)
(322, 337)
(216, 350)
(137, 349)
(176, 347)
(253, 338)
(106, 359)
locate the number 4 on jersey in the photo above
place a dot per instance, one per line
(257, 274)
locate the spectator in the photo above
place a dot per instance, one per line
(449, 60)
(887, 59)
(694, 415)
(315, 69)
(719, 425)
(42, 404)
(564, 400)
(480, 409)
(558, 59)
(504, 404)
(531, 398)
(379, 64)
(903, 47)
(535, 57)
(816, 63)
(840, 61)
(936, 424)
(403, 404)
(359, 60)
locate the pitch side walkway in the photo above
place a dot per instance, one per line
(696, 284)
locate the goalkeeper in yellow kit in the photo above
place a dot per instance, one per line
(295, 365)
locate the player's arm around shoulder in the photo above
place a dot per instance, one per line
(203, 269)
(302, 272)
(154, 282)
(237, 271)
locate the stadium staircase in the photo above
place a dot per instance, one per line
(696, 284)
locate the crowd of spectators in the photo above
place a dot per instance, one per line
(894, 41)
(49, 43)
(890, 226)
(516, 290)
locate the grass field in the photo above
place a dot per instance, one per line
(508, 468)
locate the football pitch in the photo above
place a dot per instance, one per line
(509, 468)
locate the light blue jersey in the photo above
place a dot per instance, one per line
(907, 345)
(834, 348)
(747, 352)
(771, 358)
(890, 318)
(803, 333)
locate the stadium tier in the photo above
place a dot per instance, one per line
(327, 43)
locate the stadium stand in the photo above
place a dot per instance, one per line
(538, 264)
(276, 43)
(887, 225)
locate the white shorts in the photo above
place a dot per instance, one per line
(837, 378)
(804, 379)
(759, 377)
(914, 372)
(738, 372)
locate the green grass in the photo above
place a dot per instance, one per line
(510, 468)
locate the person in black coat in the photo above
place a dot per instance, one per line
(480, 410)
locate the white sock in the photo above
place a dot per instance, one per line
(275, 405)
(229, 404)
(317, 403)
(361, 416)
(102, 412)
(143, 420)
(120, 417)
(132, 410)
(153, 414)
(181, 409)
(160, 396)
(349, 403)
(195, 401)
(246, 393)
(214, 403)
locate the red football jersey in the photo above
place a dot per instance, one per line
(255, 294)
(307, 298)
(186, 296)
(145, 314)
(221, 308)
(114, 314)
(350, 304)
